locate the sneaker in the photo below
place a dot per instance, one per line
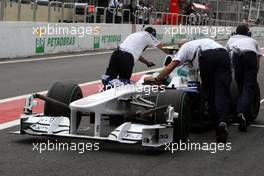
(242, 122)
(221, 133)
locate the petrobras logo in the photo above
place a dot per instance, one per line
(42, 43)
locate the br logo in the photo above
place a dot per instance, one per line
(97, 42)
(40, 45)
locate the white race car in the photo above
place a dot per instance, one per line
(137, 113)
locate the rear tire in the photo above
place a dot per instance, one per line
(201, 118)
(180, 101)
(255, 106)
(64, 92)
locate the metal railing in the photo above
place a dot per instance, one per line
(124, 11)
(34, 6)
(56, 3)
(81, 6)
(69, 4)
(4, 5)
(108, 12)
(101, 15)
(2, 8)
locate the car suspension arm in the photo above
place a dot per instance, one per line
(51, 100)
(150, 111)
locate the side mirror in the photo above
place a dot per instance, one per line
(167, 60)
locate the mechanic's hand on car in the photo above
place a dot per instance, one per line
(150, 64)
(150, 80)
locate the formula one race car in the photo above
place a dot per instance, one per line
(155, 118)
(125, 112)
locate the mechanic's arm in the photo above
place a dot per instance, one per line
(165, 72)
(145, 61)
(160, 46)
(152, 41)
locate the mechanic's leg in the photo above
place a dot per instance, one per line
(249, 83)
(209, 91)
(126, 66)
(238, 62)
(216, 76)
(113, 66)
(222, 101)
(222, 91)
(239, 72)
(207, 77)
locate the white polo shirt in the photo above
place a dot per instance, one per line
(243, 43)
(135, 43)
(191, 49)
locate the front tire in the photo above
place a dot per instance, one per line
(180, 101)
(64, 92)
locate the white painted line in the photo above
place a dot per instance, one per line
(59, 57)
(252, 125)
(261, 101)
(55, 57)
(9, 124)
(16, 122)
(64, 56)
(258, 126)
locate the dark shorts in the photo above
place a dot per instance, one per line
(120, 65)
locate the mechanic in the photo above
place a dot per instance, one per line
(245, 53)
(122, 60)
(213, 61)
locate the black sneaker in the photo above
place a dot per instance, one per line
(221, 133)
(242, 122)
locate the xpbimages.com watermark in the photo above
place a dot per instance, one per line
(80, 147)
(210, 31)
(212, 147)
(54, 29)
(146, 89)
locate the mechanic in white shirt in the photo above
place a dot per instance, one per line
(245, 53)
(129, 52)
(213, 61)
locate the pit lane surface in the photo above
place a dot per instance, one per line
(18, 158)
